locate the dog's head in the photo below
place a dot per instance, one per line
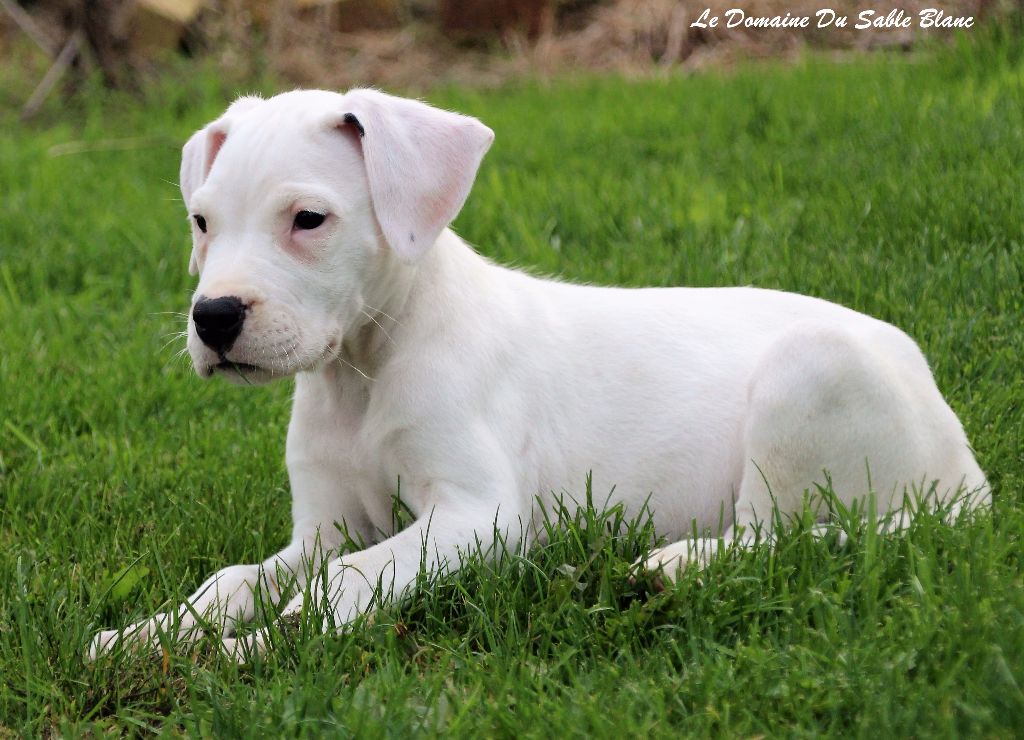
(300, 205)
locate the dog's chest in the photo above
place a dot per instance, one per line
(335, 450)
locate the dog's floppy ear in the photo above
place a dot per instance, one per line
(200, 151)
(193, 172)
(420, 163)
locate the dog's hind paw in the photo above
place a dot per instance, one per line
(666, 564)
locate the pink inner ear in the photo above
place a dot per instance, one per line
(214, 141)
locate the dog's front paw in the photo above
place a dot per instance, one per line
(666, 564)
(149, 636)
(103, 642)
(142, 636)
(244, 648)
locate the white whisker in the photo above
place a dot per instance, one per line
(379, 325)
(337, 356)
(385, 314)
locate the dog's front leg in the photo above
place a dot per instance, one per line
(359, 582)
(229, 598)
(225, 600)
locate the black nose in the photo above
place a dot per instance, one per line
(219, 321)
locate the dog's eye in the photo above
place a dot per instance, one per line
(200, 222)
(307, 220)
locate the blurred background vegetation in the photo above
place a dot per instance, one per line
(51, 49)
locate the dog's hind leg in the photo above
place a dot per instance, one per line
(868, 413)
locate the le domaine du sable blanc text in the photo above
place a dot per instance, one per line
(828, 18)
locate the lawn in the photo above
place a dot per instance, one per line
(891, 184)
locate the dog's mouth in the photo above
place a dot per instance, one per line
(242, 373)
(240, 367)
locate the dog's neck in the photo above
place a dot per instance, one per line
(391, 301)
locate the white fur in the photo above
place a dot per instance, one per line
(480, 388)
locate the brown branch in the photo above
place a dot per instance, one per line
(53, 74)
(29, 28)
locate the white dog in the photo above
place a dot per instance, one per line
(319, 226)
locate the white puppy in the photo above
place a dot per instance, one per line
(319, 224)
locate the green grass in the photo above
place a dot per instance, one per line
(889, 184)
